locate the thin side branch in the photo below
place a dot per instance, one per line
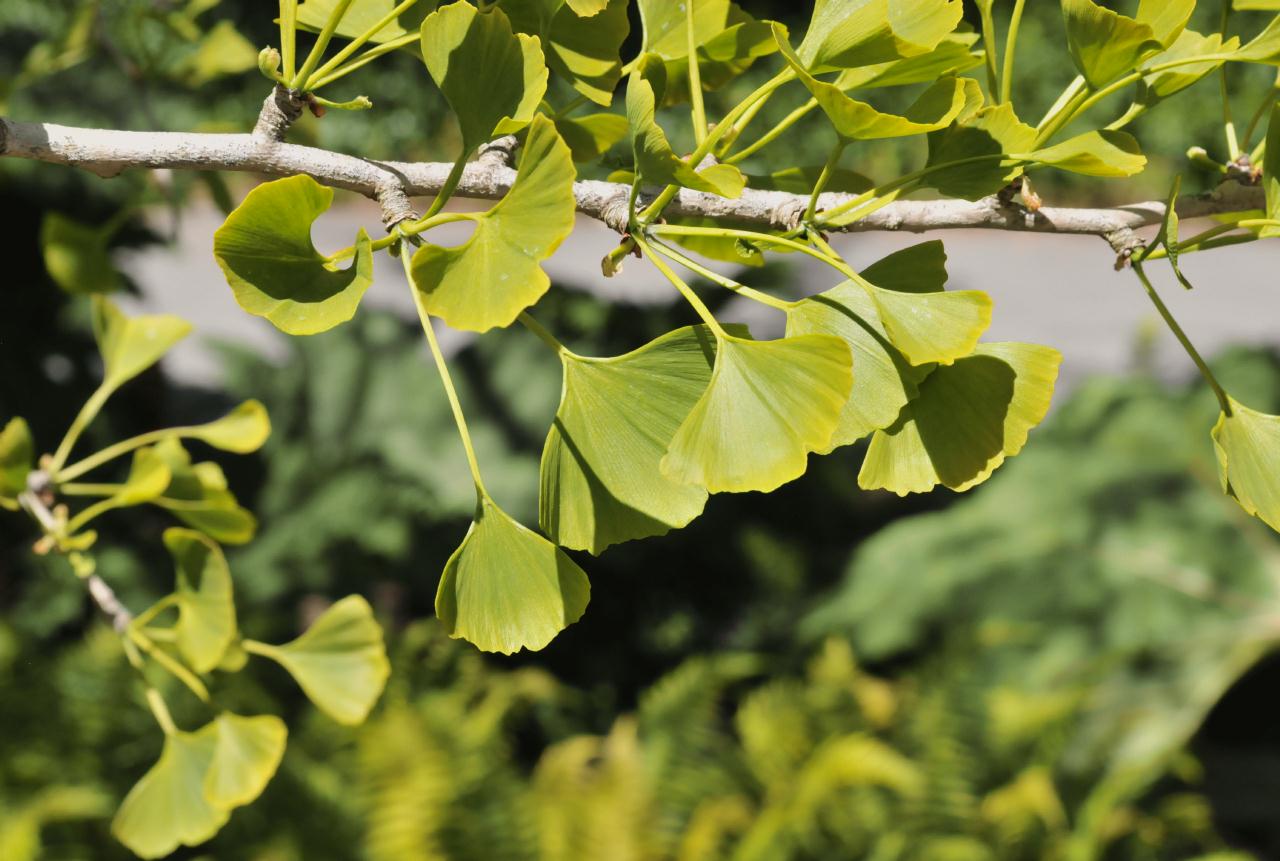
(108, 153)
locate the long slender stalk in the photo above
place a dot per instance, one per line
(1010, 46)
(831, 259)
(989, 49)
(161, 712)
(1169, 320)
(543, 333)
(123, 447)
(1228, 124)
(363, 60)
(289, 37)
(301, 81)
(82, 420)
(450, 183)
(695, 78)
(445, 379)
(773, 133)
(833, 161)
(716, 278)
(359, 42)
(685, 290)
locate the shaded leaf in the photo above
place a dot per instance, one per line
(130, 345)
(601, 481)
(361, 15)
(657, 163)
(198, 496)
(968, 418)
(493, 276)
(992, 132)
(591, 136)
(769, 404)
(222, 51)
(506, 588)
(264, 249)
(246, 755)
(801, 180)
(1271, 174)
(1104, 153)
(1247, 444)
(77, 256)
(340, 661)
(492, 77)
(953, 55)
(206, 613)
(17, 458)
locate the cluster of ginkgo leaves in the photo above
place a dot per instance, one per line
(190, 633)
(640, 440)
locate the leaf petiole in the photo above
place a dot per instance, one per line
(302, 80)
(357, 43)
(685, 290)
(716, 278)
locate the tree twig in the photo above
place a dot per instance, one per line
(109, 152)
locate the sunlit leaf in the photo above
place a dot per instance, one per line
(206, 613)
(265, 251)
(149, 476)
(493, 276)
(1248, 447)
(77, 256)
(591, 136)
(991, 132)
(130, 345)
(1106, 45)
(492, 77)
(966, 420)
(507, 588)
(935, 108)
(1266, 5)
(168, 807)
(246, 755)
(601, 482)
(665, 28)
(723, 57)
(1166, 18)
(932, 327)
(1104, 153)
(340, 661)
(768, 405)
(243, 430)
(17, 456)
(953, 55)
(585, 50)
(848, 33)
(1160, 85)
(1265, 47)
(362, 15)
(657, 162)
(198, 496)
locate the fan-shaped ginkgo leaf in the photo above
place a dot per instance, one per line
(493, 276)
(935, 108)
(245, 758)
(362, 15)
(149, 476)
(768, 405)
(844, 34)
(243, 430)
(932, 327)
(507, 588)
(492, 77)
(883, 382)
(77, 256)
(1247, 443)
(666, 27)
(657, 162)
(1105, 153)
(265, 251)
(206, 612)
(601, 482)
(991, 134)
(130, 345)
(198, 496)
(966, 420)
(340, 661)
(1104, 44)
(168, 807)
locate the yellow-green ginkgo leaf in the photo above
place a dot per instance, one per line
(507, 588)
(932, 327)
(149, 477)
(1248, 447)
(1159, 86)
(585, 49)
(966, 420)
(1271, 175)
(883, 382)
(493, 276)
(657, 162)
(17, 455)
(492, 77)
(363, 15)
(953, 55)
(1166, 18)
(77, 256)
(666, 28)
(206, 612)
(723, 57)
(130, 345)
(243, 430)
(198, 496)
(340, 661)
(591, 136)
(935, 108)
(848, 33)
(1263, 48)
(768, 405)
(991, 134)
(601, 482)
(245, 758)
(168, 807)
(264, 249)
(1106, 153)
(1106, 45)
